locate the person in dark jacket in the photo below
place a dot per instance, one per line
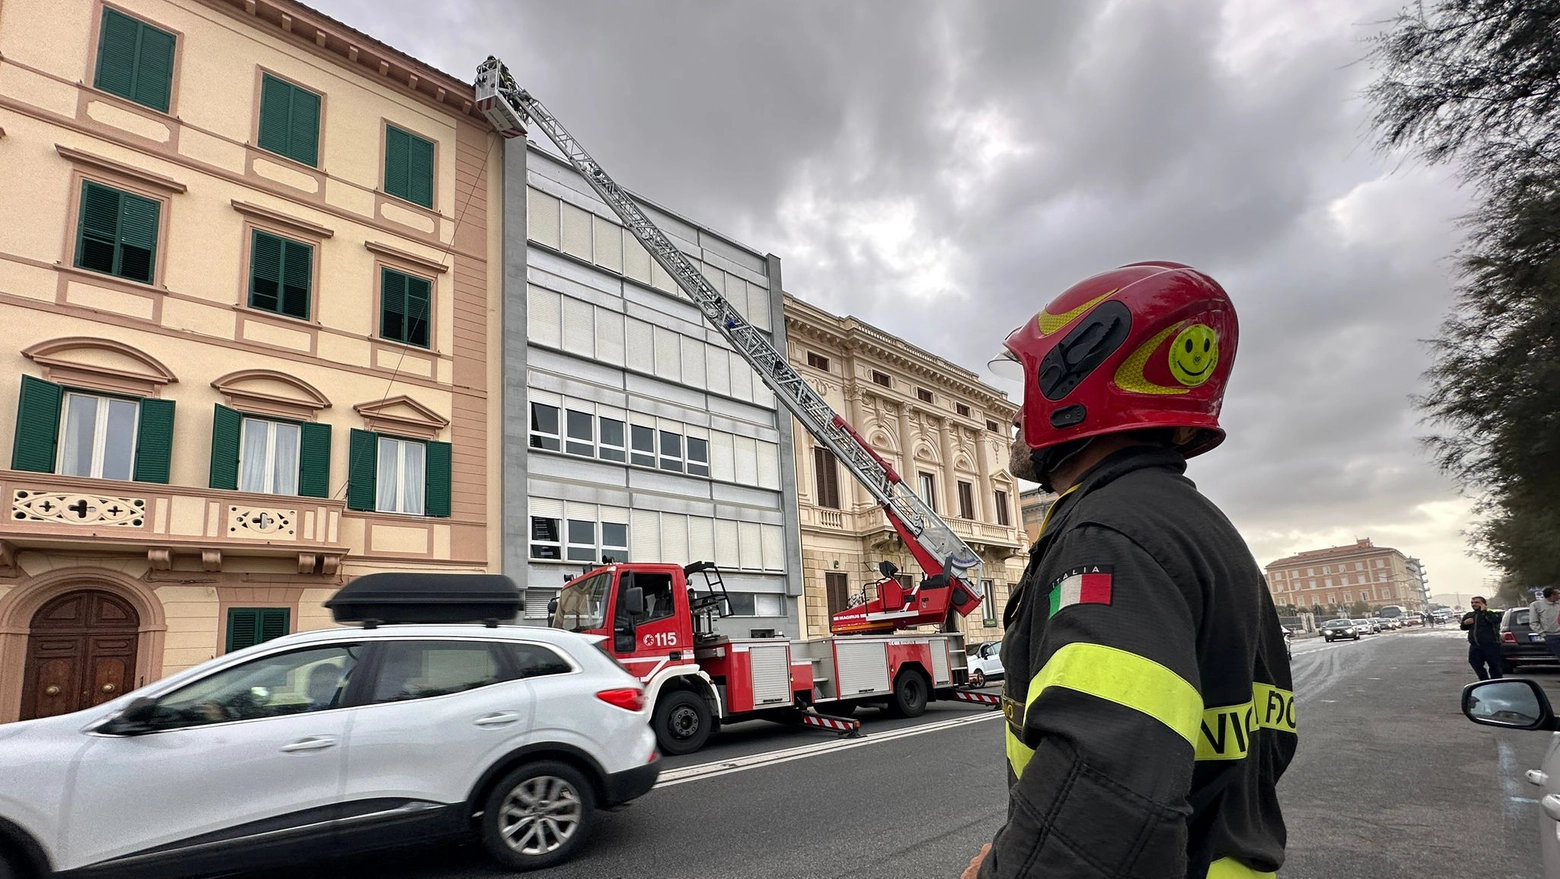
(1148, 696)
(1483, 628)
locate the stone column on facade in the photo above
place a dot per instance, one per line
(986, 504)
(945, 429)
(857, 417)
(513, 411)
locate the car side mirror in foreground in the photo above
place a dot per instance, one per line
(136, 718)
(1514, 703)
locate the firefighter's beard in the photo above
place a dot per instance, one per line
(1021, 460)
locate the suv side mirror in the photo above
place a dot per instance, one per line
(1514, 703)
(135, 719)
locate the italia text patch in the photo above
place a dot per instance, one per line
(1089, 584)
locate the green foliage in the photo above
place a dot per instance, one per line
(1476, 84)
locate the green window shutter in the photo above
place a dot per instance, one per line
(273, 622)
(97, 233)
(243, 628)
(265, 272)
(297, 278)
(137, 237)
(37, 425)
(154, 69)
(154, 442)
(362, 470)
(226, 427)
(398, 162)
(275, 111)
(420, 172)
(418, 296)
(314, 460)
(392, 305)
(304, 137)
(117, 40)
(437, 466)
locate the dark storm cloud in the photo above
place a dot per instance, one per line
(943, 169)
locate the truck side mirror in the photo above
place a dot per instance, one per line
(552, 607)
(887, 568)
(634, 601)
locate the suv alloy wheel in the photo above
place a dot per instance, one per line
(537, 815)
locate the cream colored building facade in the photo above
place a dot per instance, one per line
(248, 321)
(938, 425)
(1341, 576)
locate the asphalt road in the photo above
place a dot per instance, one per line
(1389, 781)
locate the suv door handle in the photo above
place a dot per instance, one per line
(499, 719)
(312, 743)
(1537, 776)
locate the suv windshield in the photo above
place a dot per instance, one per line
(583, 605)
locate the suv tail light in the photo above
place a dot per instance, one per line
(626, 698)
(1508, 637)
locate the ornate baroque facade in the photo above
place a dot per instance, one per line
(248, 325)
(938, 425)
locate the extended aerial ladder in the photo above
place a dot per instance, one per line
(951, 566)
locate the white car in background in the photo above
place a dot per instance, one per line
(330, 742)
(985, 664)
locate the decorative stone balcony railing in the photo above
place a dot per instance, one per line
(45, 510)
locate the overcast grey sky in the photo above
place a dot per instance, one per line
(943, 169)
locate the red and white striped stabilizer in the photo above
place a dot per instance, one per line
(842, 725)
(989, 699)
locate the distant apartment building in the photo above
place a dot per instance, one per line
(632, 431)
(246, 286)
(1342, 576)
(938, 425)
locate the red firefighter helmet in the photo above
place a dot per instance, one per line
(1147, 345)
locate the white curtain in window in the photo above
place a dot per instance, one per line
(119, 440)
(413, 477)
(284, 454)
(252, 457)
(389, 475)
(80, 425)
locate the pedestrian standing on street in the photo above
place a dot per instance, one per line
(1483, 628)
(1147, 699)
(1544, 618)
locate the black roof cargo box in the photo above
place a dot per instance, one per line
(426, 598)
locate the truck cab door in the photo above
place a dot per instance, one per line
(662, 631)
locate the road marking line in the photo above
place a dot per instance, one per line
(756, 761)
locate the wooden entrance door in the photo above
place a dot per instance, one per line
(80, 653)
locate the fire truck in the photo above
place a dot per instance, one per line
(664, 631)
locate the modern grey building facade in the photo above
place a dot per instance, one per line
(631, 430)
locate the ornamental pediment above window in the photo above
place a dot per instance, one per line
(402, 416)
(268, 392)
(100, 365)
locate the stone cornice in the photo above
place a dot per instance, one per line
(322, 35)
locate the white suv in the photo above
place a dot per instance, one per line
(333, 741)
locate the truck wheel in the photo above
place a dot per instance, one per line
(837, 709)
(910, 695)
(682, 723)
(537, 816)
(977, 678)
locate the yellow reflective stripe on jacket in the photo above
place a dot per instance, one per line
(1115, 676)
(1227, 730)
(1229, 868)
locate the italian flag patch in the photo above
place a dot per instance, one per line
(1086, 585)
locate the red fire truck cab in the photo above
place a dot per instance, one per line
(663, 630)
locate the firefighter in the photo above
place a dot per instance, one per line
(1148, 697)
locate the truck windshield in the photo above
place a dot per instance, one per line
(583, 605)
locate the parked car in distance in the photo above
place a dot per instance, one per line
(1364, 627)
(1519, 644)
(1520, 703)
(329, 742)
(986, 664)
(1334, 630)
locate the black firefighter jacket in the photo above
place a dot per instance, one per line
(1148, 696)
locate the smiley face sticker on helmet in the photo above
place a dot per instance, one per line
(1194, 355)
